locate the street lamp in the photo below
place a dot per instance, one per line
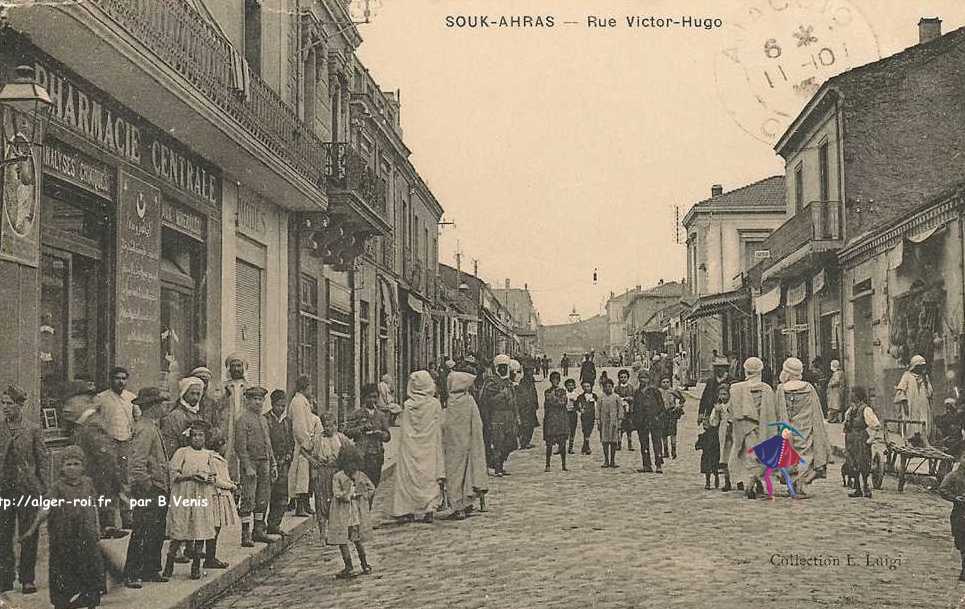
(30, 102)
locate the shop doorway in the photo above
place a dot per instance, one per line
(863, 345)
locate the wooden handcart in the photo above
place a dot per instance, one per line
(900, 455)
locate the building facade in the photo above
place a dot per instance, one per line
(525, 317)
(724, 235)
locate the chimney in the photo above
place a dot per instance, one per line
(716, 190)
(929, 28)
(507, 283)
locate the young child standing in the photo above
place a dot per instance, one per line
(572, 414)
(190, 520)
(586, 406)
(76, 571)
(610, 413)
(953, 489)
(224, 508)
(673, 402)
(625, 391)
(709, 440)
(555, 419)
(348, 519)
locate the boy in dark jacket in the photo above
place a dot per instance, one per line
(256, 462)
(283, 448)
(648, 415)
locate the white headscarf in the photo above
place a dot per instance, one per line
(183, 386)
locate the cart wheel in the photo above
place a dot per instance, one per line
(877, 472)
(902, 470)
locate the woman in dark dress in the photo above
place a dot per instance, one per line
(556, 427)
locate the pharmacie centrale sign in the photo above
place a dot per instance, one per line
(82, 109)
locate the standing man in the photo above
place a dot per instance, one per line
(369, 429)
(89, 431)
(233, 407)
(176, 426)
(648, 413)
(913, 396)
(299, 474)
(150, 481)
(588, 370)
(256, 462)
(280, 431)
(565, 365)
(527, 401)
(23, 473)
(118, 413)
(499, 401)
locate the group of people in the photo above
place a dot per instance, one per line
(138, 465)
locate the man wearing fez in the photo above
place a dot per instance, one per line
(233, 406)
(283, 448)
(256, 462)
(23, 473)
(89, 431)
(150, 480)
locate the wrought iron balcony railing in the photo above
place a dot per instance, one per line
(185, 41)
(818, 221)
(345, 169)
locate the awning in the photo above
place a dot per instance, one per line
(388, 303)
(818, 282)
(415, 304)
(716, 304)
(767, 302)
(797, 294)
(925, 234)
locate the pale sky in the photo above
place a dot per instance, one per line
(559, 150)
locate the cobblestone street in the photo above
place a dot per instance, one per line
(618, 539)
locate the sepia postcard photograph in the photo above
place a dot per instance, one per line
(482, 304)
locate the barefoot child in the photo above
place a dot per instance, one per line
(76, 570)
(953, 489)
(572, 414)
(191, 519)
(710, 440)
(348, 519)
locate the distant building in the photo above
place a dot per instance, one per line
(519, 303)
(615, 319)
(724, 237)
(641, 310)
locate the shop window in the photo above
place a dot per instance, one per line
(308, 323)
(341, 364)
(364, 350)
(180, 306)
(72, 324)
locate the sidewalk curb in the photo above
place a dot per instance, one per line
(217, 586)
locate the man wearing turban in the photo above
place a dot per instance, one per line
(913, 396)
(753, 408)
(176, 426)
(233, 406)
(800, 401)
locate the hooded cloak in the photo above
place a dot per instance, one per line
(462, 441)
(421, 462)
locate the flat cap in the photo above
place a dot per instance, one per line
(256, 392)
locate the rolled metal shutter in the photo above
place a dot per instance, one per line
(248, 317)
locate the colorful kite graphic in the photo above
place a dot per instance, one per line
(777, 453)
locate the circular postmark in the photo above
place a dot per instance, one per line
(781, 53)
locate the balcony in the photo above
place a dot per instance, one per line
(801, 243)
(175, 68)
(347, 173)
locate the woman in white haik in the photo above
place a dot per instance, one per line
(420, 469)
(803, 407)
